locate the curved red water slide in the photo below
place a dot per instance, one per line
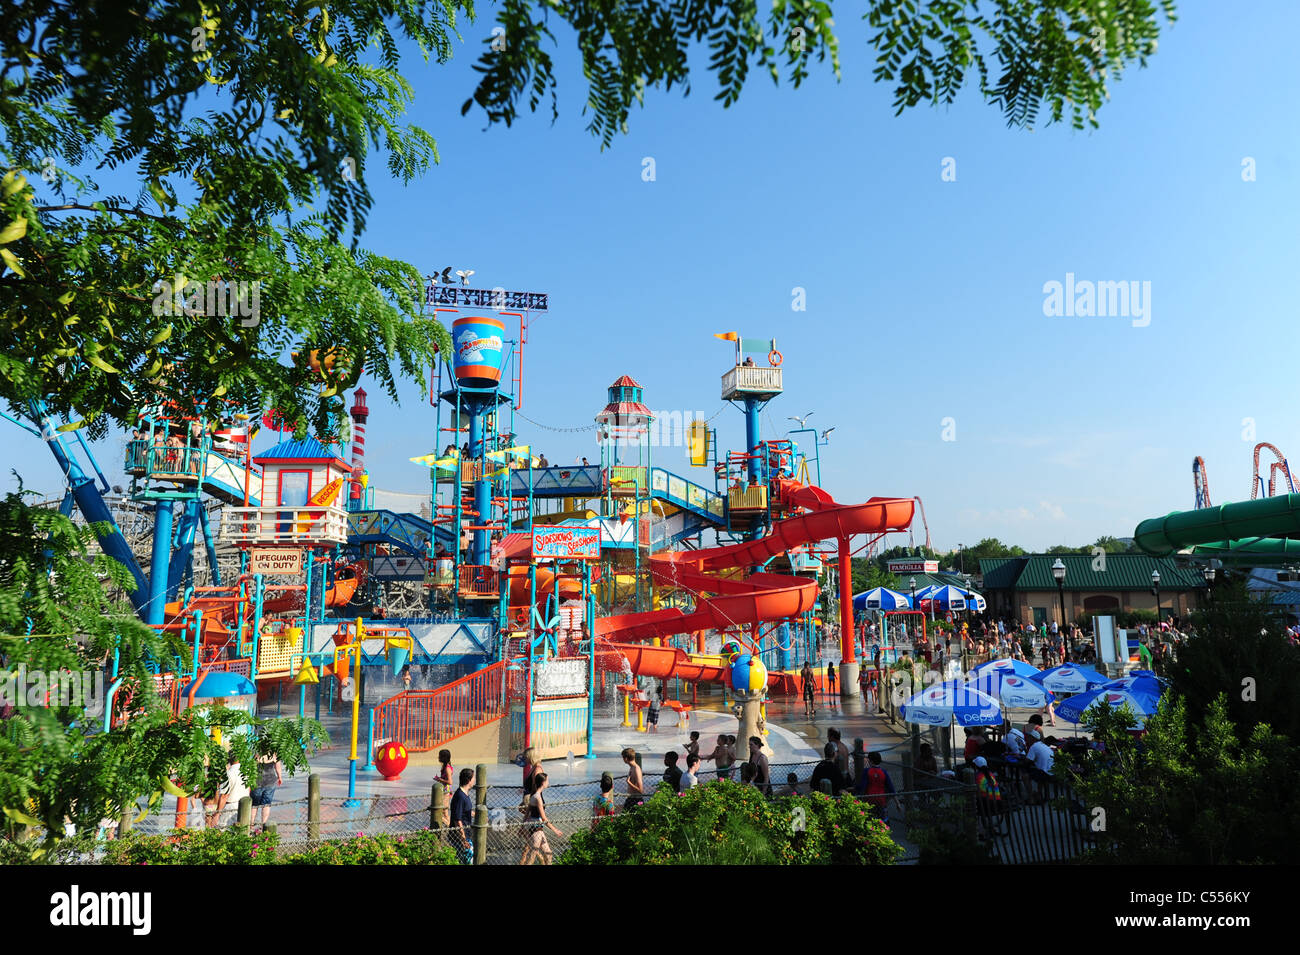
(741, 602)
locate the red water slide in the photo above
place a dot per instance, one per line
(739, 602)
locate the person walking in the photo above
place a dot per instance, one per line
(461, 814)
(809, 688)
(269, 776)
(447, 776)
(536, 824)
(762, 770)
(635, 779)
(830, 677)
(875, 784)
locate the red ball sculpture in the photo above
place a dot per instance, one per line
(391, 759)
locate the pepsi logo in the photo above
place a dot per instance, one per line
(1013, 681)
(1114, 697)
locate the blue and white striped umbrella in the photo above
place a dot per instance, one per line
(1071, 678)
(943, 703)
(956, 599)
(881, 598)
(1140, 691)
(1011, 681)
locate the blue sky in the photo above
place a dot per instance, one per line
(924, 297)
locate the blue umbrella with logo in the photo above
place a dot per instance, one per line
(953, 701)
(881, 598)
(953, 598)
(1140, 691)
(1011, 681)
(1071, 678)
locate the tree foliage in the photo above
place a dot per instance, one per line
(249, 128)
(56, 762)
(1204, 791)
(1239, 650)
(1020, 56)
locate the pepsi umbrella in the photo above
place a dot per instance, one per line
(1009, 667)
(954, 598)
(1140, 691)
(1012, 688)
(1071, 678)
(945, 703)
(881, 598)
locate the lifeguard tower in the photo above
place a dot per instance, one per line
(301, 495)
(750, 384)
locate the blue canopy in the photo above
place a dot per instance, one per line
(881, 598)
(954, 598)
(1011, 681)
(945, 702)
(1071, 678)
(1140, 691)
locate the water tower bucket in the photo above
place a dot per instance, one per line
(397, 657)
(477, 344)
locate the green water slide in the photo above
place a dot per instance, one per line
(1247, 532)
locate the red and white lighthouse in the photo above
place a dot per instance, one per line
(359, 413)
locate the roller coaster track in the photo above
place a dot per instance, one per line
(1256, 482)
(1201, 481)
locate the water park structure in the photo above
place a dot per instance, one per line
(498, 609)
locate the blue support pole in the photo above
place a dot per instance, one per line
(753, 435)
(162, 541)
(482, 540)
(589, 608)
(370, 742)
(210, 546)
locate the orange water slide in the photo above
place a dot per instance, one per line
(740, 602)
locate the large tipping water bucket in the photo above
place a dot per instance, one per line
(477, 343)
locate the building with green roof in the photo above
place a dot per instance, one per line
(1023, 588)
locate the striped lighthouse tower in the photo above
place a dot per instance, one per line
(359, 413)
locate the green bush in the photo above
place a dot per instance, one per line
(728, 823)
(193, 847)
(234, 847)
(420, 848)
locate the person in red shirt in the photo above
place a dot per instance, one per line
(974, 743)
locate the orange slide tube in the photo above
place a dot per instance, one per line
(758, 598)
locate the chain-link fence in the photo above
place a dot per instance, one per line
(942, 806)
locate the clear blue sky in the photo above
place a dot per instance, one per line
(924, 297)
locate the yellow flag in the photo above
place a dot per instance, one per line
(727, 336)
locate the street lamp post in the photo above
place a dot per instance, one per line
(1058, 571)
(1210, 571)
(911, 583)
(1155, 589)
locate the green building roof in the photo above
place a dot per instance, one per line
(1085, 572)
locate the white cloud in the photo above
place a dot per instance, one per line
(1054, 511)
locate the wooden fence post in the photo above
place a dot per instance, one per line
(313, 807)
(436, 805)
(480, 814)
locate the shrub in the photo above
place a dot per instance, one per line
(419, 848)
(728, 823)
(193, 847)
